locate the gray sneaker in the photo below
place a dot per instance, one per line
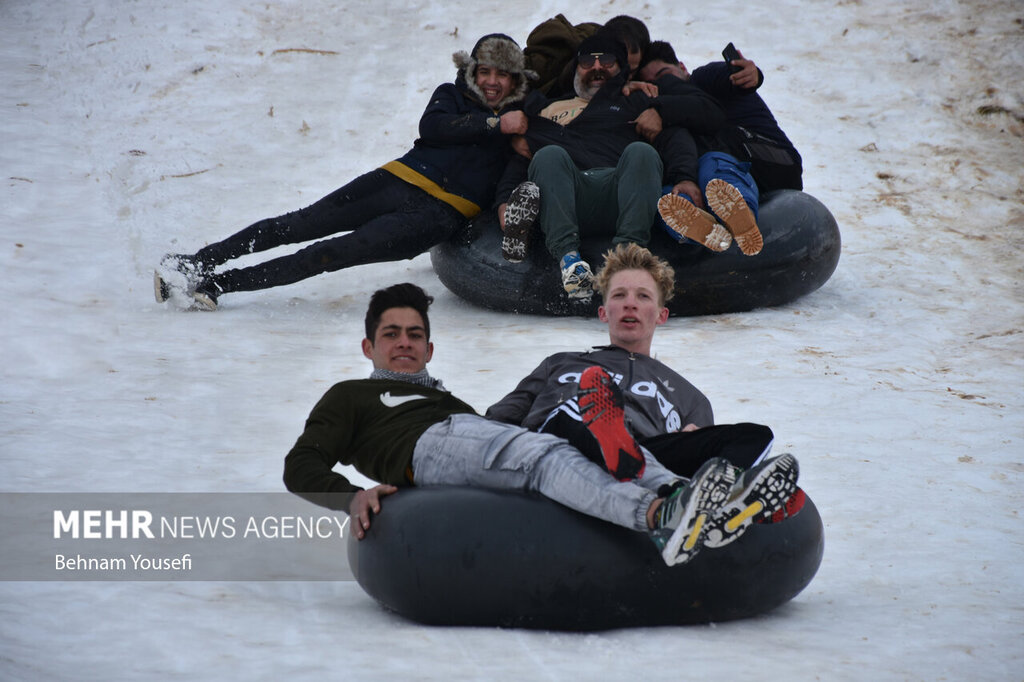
(683, 518)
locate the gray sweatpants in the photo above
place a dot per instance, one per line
(466, 449)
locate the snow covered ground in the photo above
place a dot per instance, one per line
(129, 129)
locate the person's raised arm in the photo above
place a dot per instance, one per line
(749, 77)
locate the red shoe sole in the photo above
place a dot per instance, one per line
(603, 415)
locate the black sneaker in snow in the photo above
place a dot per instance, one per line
(601, 408)
(520, 215)
(177, 277)
(758, 493)
(205, 295)
(682, 520)
(161, 289)
(188, 265)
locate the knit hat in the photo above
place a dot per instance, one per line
(501, 52)
(604, 42)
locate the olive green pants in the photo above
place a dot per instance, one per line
(620, 202)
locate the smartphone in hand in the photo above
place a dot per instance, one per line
(729, 54)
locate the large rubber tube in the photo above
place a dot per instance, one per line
(468, 556)
(801, 251)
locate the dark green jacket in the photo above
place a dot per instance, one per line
(550, 49)
(371, 424)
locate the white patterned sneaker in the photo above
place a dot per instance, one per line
(757, 494)
(682, 520)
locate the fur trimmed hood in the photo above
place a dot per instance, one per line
(501, 52)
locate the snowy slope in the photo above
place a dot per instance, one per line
(130, 129)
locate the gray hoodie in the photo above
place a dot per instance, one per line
(658, 400)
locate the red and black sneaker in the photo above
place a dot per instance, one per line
(601, 408)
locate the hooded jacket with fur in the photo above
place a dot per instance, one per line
(461, 152)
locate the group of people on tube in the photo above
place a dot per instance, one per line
(592, 130)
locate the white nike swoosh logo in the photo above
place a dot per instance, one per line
(396, 400)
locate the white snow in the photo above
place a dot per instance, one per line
(130, 129)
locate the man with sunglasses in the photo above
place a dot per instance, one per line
(595, 173)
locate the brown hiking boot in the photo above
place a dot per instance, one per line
(690, 222)
(728, 204)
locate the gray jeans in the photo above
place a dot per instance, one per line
(466, 449)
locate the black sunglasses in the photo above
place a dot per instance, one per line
(607, 59)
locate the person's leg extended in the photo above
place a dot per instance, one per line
(722, 166)
(342, 210)
(416, 222)
(469, 450)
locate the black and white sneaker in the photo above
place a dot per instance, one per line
(520, 214)
(758, 493)
(682, 520)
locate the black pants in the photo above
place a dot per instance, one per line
(385, 218)
(681, 452)
(774, 165)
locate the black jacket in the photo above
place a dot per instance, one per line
(460, 148)
(599, 135)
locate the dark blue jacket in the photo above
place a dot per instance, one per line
(751, 132)
(461, 152)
